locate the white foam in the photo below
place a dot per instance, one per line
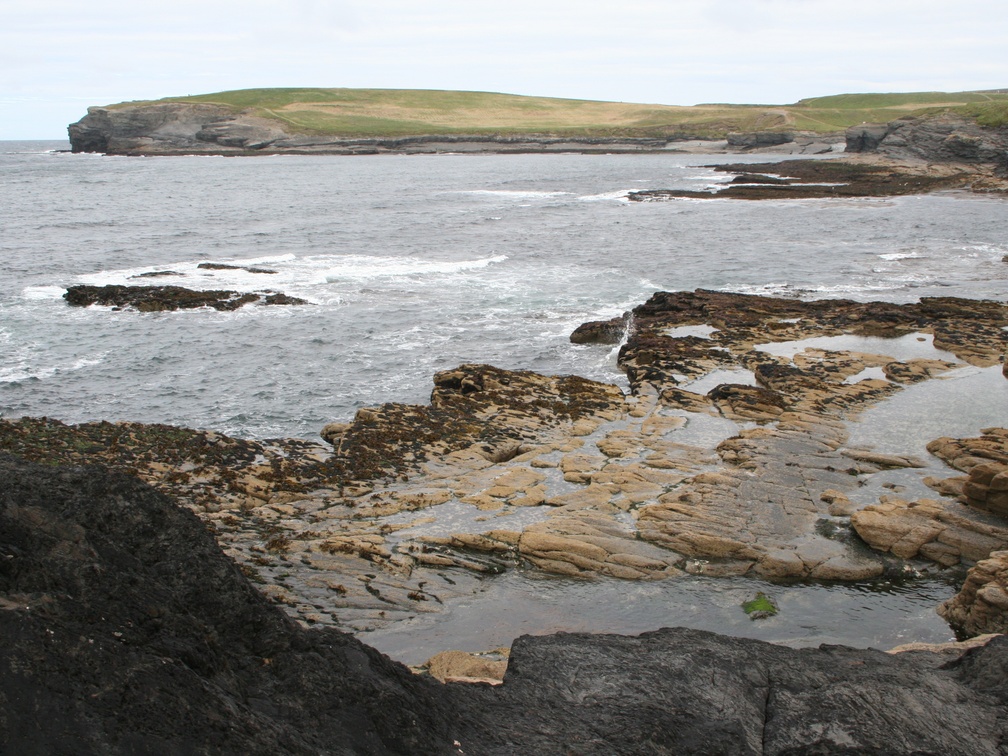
(366, 267)
(986, 249)
(43, 292)
(516, 194)
(617, 196)
(900, 255)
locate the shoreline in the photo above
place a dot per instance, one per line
(574, 478)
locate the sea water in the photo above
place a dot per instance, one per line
(415, 264)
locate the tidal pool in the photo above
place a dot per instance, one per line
(878, 614)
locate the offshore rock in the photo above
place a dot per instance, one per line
(167, 298)
(948, 532)
(126, 630)
(601, 331)
(824, 179)
(941, 531)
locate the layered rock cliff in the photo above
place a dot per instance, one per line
(188, 128)
(177, 128)
(946, 138)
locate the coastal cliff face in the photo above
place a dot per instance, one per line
(946, 138)
(122, 130)
(177, 128)
(183, 128)
(126, 630)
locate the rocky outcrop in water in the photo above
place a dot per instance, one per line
(126, 630)
(826, 179)
(967, 529)
(167, 298)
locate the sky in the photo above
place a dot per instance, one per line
(57, 57)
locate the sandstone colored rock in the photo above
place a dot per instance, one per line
(943, 531)
(981, 606)
(464, 667)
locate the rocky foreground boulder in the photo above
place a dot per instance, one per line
(127, 631)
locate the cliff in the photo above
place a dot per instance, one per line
(944, 138)
(171, 128)
(191, 128)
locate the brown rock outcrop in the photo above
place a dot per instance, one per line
(944, 532)
(981, 606)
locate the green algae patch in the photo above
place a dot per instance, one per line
(760, 607)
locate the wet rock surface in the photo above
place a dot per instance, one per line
(126, 630)
(948, 531)
(839, 178)
(167, 298)
(409, 506)
(982, 604)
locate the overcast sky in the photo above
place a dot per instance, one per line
(57, 57)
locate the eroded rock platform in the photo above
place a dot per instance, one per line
(408, 506)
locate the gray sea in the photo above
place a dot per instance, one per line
(415, 264)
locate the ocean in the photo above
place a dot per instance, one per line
(415, 264)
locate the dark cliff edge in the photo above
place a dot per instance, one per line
(126, 630)
(175, 128)
(946, 138)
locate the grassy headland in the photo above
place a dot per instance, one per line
(407, 112)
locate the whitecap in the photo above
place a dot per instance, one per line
(43, 292)
(518, 194)
(366, 267)
(900, 255)
(618, 196)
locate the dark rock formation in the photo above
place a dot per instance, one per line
(127, 631)
(946, 138)
(690, 692)
(602, 331)
(811, 179)
(132, 128)
(225, 266)
(757, 139)
(865, 137)
(162, 298)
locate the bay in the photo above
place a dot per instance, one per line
(417, 264)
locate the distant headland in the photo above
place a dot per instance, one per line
(372, 121)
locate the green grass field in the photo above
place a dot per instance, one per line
(405, 112)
